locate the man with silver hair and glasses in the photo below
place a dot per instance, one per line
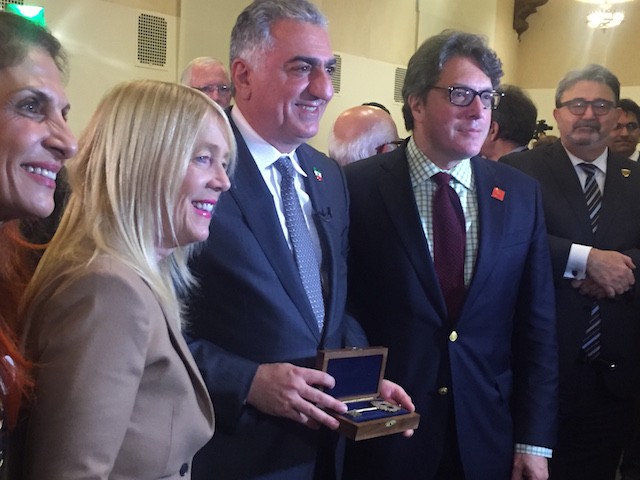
(273, 276)
(590, 198)
(208, 75)
(449, 267)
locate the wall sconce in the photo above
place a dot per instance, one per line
(605, 16)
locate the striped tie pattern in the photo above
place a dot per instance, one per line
(593, 197)
(305, 257)
(592, 194)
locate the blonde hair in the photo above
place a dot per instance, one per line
(125, 182)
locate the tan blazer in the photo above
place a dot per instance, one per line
(118, 395)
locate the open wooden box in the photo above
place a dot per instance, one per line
(358, 373)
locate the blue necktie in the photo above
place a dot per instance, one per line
(593, 197)
(300, 238)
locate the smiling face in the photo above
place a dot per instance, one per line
(624, 140)
(35, 139)
(586, 135)
(283, 98)
(205, 180)
(447, 133)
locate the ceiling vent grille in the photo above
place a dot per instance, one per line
(152, 40)
(3, 3)
(336, 78)
(401, 73)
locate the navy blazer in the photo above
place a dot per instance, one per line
(568, 222)
(252, 309)
(499, 372)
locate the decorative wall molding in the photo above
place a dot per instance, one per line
(524, 8)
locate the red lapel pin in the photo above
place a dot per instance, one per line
(498, 194)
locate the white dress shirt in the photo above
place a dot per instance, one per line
(265, 156)
(577, 263)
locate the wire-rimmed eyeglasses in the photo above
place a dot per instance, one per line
(631, 126)
(463, 96)
(221, 88)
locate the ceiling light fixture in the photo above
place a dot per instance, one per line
(605, 17)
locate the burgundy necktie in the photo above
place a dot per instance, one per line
(449, 238)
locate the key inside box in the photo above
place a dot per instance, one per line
(358, 374)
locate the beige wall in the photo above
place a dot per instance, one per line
(559, 40)
(167, 7)
(377, 30)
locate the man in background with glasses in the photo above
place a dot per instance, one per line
(361, 132)
(626, 134)
(210, 77)
(590, 197)
(449, 267)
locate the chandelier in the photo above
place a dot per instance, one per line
(605, 16)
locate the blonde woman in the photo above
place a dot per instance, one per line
(118, 395)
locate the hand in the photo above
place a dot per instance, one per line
(612, 270)
(529, 467)
(394, 393)
(285, 390)
(590, 288)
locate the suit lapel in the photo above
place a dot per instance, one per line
(331, 251)
(395, 188)
(178, 342)
(256, 203)
(614, 186)
(491, 218)
(567, 182)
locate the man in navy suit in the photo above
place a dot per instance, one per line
(255, 333)
(594, 265)
(480, 365)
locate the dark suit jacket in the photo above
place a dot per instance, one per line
(568, 222)
(500, 374)
(252, 309)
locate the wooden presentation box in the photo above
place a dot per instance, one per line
(358, 373)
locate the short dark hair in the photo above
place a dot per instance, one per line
(629, 106)
(18, 35)
(425, 66)
(590, 73)
(516, 115)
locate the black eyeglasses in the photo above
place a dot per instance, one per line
(463, 96)
(578, 106)
(395, 144)
(221, 88)
(631, 126)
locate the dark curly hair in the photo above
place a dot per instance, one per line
(425, 66)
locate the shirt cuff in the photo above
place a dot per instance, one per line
(577, 262)
(533, 450)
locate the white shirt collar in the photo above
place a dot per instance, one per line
(600, 162)
(262, 151)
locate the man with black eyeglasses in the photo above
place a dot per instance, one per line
(626, 134)
(449, 267)
(590, 197)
